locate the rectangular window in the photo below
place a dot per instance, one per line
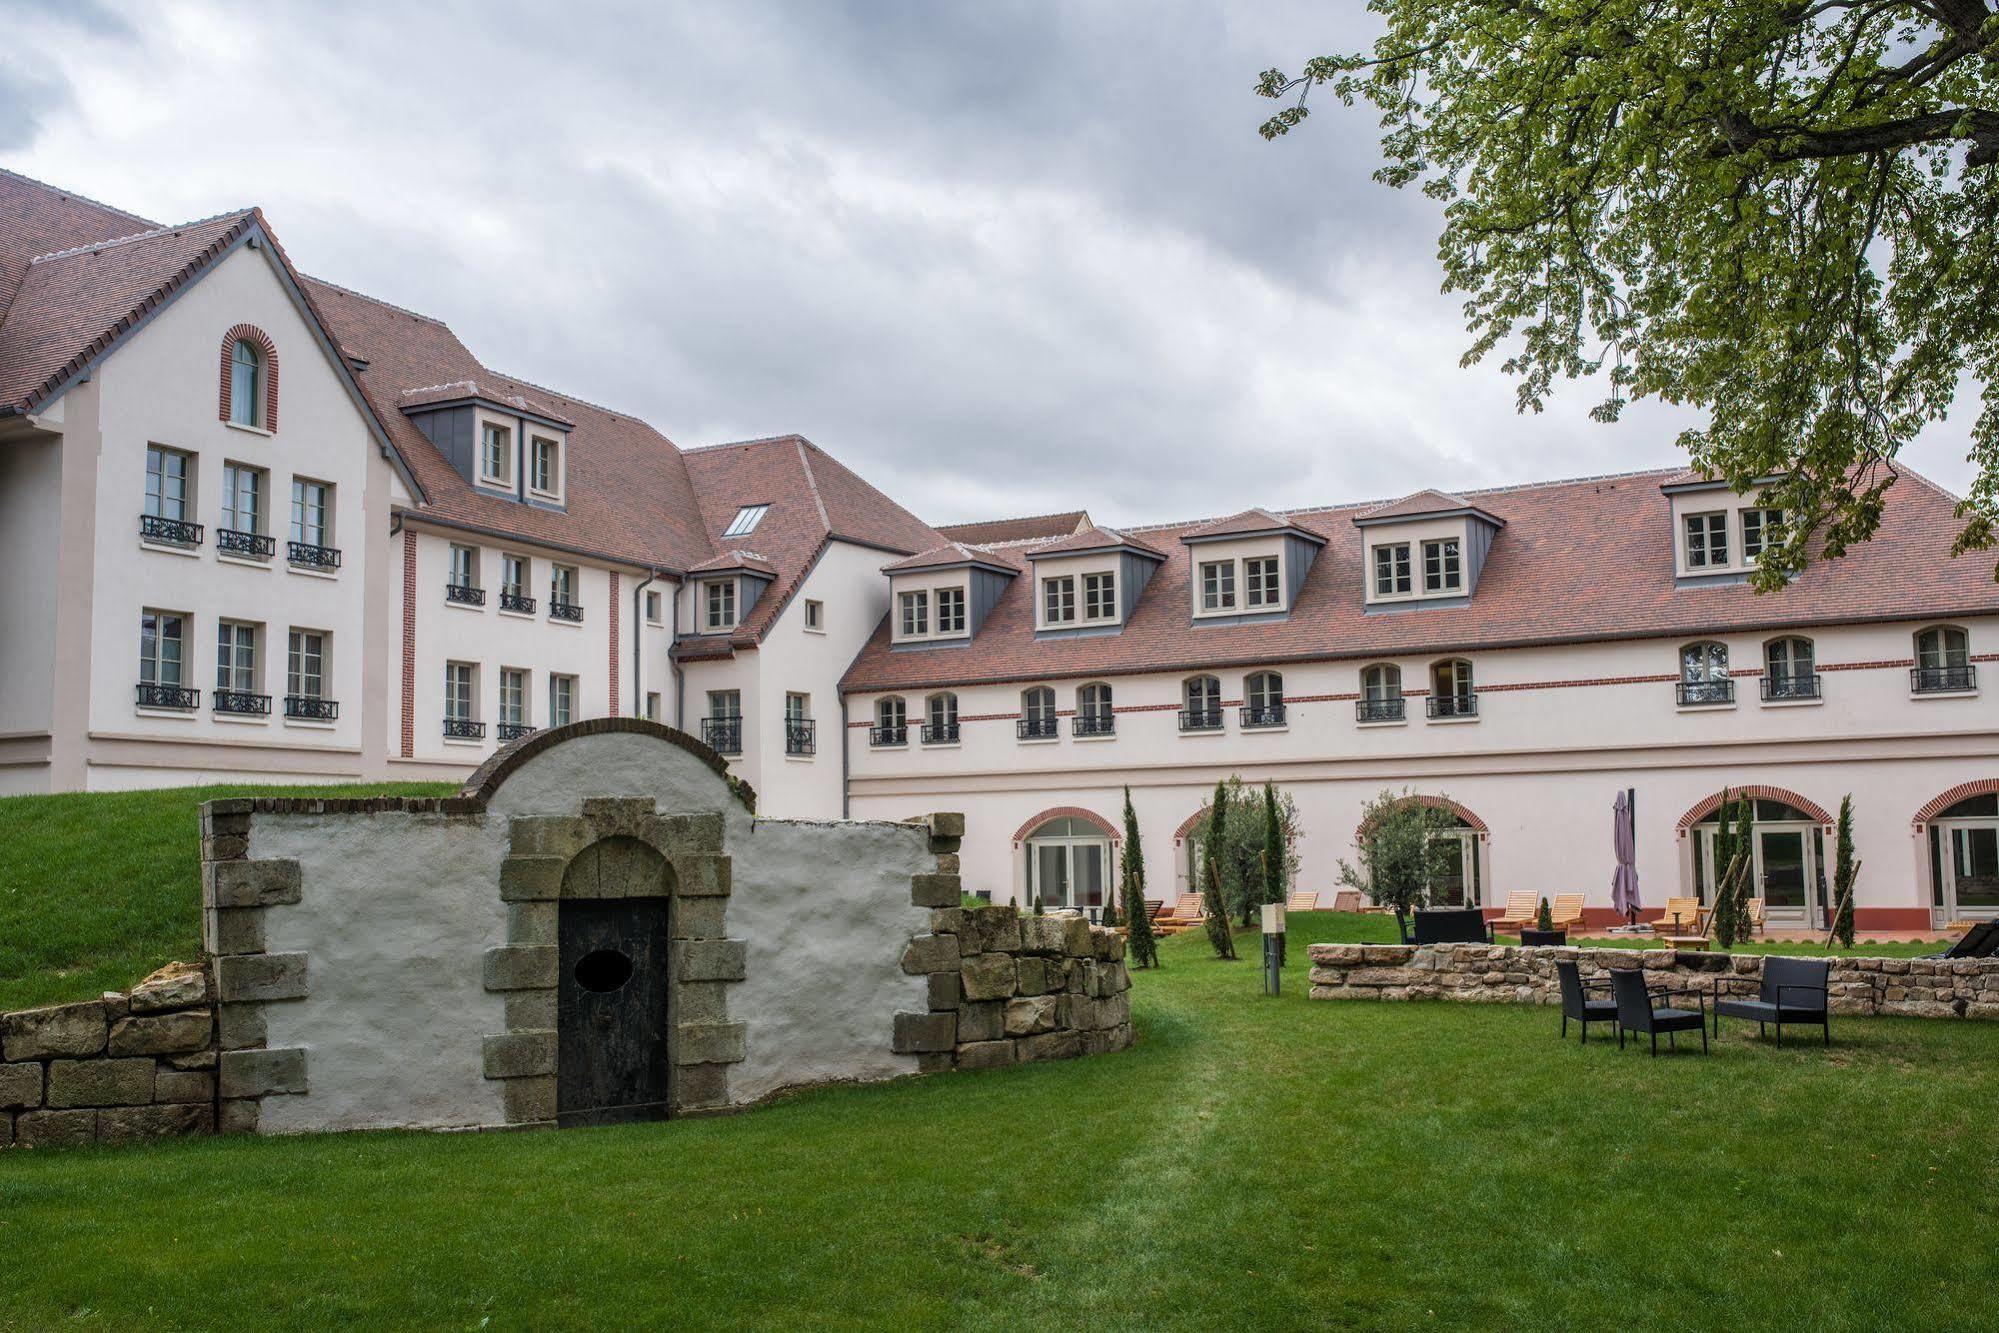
(1441, 569)
(496, 454)
(312, 512)
(545, 467)
(1218, 585)
(464, 566)
(162, 641)
(1392, 575)
(721, 600)
(561, 700)
(724, 705)
(815, 615)
(305, 665)
(746, 520)
(562, 585)
(513, 697)
(236, 657)
(167, 489)
(1259, 577)
(653, 607)
(1058, 601)
(797, 707)
(915, 614)
(1707, 541)
(242, 498)
(1099, 596)
(460, 690)
(950, 610)
(516, 571)
(652, 705)
(1758, 530)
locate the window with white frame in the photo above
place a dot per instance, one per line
(720, 600)
(1381, 693)
(1451, 690)
(312, 512)
(236, 657)
(653, 605)
(1263, 700)
(1393, 576)
(950, 610)
(1759, 530)
(652, 705)
(815, 615)
(940, 726)
(915, 607)
(1068, 864)
(562, 700)
(1100, 596)
(305, 664)
(1943, 662)
(1707, 540)
(461, 686)
(246, 384)
(496, 454)
(1789, 669)
(162, 648)
(891, 721)
(464, 566)
(1704, 677)
(725, 705)
(242, 498)
(1260, 586)
(1204, 701)
(561, 585)
(1037, 712)
(545, 467)
(1058, 600)
(516, 575)
(1094, 714)
(169, 493)
(513, 697)
(1218, 585)
(746, 520)
(1442, 568)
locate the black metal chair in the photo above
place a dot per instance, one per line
(1447, 925)
(1637, 1013)
(1793, 990)
(1576, 1001)
(1981, 941)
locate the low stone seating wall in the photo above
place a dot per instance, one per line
(136, 1065)
(1508, 974)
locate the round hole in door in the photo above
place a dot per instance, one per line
(604, 970)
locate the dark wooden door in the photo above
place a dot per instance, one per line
(611, 1011)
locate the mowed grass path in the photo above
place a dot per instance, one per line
(1253, 1162)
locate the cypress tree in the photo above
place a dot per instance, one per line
(1217, 917)
(1274, 887)
(1140, 946)
(1843, 876)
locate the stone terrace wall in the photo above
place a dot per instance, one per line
(1507, 974)
(1007, 988)
(135, 1065)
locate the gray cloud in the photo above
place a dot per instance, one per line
(1002, 257)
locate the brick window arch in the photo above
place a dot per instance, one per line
(1463, 813)
(267, 355)
(1964, 791)
(1108, 829)
(1707, 805)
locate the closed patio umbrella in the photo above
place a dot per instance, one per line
(1624, 842)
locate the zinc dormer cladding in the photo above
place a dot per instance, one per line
(1424, 550)
(1232, 562)
(922, 582)
(501, 443)
(1089, 583)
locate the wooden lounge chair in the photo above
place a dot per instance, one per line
(1758, 919)
(1346, 900)
(1521, 910)
(1188, 907)
(1302, 902)
(1691, 918)
(1568, 911)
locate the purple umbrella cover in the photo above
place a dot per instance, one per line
(1623, 840)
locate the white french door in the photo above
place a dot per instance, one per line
(1970, 869)
(1068, 872)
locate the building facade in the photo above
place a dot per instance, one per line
(266, 528)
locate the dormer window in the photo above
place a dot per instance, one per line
(1218, 585)
(746, 520)
(721, 604)
(545, 468)
(1058, 600)
(1442, 570)
(1759, 529)
(496, 455)
(915, 614)
(1100, 596)
(1392, 574)
(950, 610)
(1707, 540)
(1259, 578)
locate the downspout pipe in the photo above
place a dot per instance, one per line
(638, 640)
(846, 798)
(673, 665)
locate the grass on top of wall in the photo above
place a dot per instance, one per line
(1250, 1163)
(1379, 928)
(97, 889)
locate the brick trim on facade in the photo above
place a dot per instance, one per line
(1707, 805)
(614, 643)
(1961, 792)
(269, 349)
(1476, 824)
(409, 644)
(1071, 812)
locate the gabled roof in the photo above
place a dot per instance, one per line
(1091, 540)
(1249, 523)
(746, 560)
(39, 219)
(951, 555)
(1032, 528)
(471, 391)
(1425, 504)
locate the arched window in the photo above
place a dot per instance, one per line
(940, 725)
(1263, 700)
(891, 722)
(1093, 710)
(1068, 864)
(1203, 695)
(246, 384)
(1037, 713)
(1381, 693)
(1788, 670)
(1704, 674)
(1451, 691)
(1943, 662)
(1964, 860)
(1786, 860)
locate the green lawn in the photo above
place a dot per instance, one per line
(97, 890)
(1251, 1162)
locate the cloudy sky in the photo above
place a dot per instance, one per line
(1001, 257)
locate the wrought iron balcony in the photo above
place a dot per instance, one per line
(517, 602)
(1254, 717)
(1943, 680)
(1694, 693)
(168, 531)
(1786, 685)
(177, 697)
(240, 703)
(1093, 724)
(1201, 719)
(568, 611)
(1039, 728)
(311, 708)
(463, 729)
(799, 737)
(1452, 705)
(881, 737)
(307, 556)
(245, 545)
(940, 733)
(464, 594)
(1395, 709)
(512, 731)
(724, 735)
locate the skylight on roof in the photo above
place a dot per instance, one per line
(746, 520)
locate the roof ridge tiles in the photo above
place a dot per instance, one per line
(742, 444)
(374, 300)
(154, 233)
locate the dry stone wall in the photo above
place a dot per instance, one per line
(1508, 974)
(131, 1065)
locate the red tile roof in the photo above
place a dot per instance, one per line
(944, 557)
(1578, 561)
(749, 560)
(39, 219)
(459, 390)
(1095, 539)
(1249, 523)
(1017, 529)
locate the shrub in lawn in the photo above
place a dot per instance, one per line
(1243, 847)
(1275, 860)
(1544, 919)
(1845, 872)
(1140, 946)
(1400, 856)
(1734, 861)
(1212, 901)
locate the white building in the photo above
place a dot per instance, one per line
(266, 528)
